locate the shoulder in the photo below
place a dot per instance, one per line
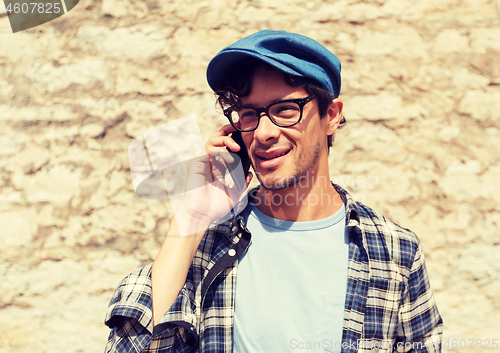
(375, 224)
(383, 239)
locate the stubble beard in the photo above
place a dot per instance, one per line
(301, 169)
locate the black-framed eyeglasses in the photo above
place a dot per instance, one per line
(284, 113)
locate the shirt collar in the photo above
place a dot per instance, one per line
(352, 209)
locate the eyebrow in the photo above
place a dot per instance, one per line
(272, 102)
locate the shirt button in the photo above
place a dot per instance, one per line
(231, 252)
(234, 229)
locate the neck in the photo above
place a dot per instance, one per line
(309, 199)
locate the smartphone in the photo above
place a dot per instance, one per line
(239, 157)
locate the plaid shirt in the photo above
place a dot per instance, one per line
(389, 304)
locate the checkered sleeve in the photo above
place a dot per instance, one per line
(130, 319)
(420, 325)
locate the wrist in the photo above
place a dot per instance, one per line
(190, 223)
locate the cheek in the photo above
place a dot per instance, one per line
(320, 129)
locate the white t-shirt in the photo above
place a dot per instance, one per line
(291, 285)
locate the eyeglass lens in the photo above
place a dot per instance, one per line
(282, 114)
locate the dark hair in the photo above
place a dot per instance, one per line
(237, 84)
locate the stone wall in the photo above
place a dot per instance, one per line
(421, 86)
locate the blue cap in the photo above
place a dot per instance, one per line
(289, 52)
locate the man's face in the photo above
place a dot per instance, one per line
(283, 156)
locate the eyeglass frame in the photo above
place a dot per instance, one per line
(301, 102)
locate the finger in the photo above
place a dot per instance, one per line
(199, 164)
(218, 167)
(223, 141)
(234, 192)
(226, 130)
(221, 155)
(249, 179)
(226, 157)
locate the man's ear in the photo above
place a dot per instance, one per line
(334, 115)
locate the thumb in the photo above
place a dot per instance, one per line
(249, 178)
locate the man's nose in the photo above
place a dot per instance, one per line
(267, 129)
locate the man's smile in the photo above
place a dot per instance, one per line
(271, 159)
(272, 154)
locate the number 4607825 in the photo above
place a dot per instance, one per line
(471, 343)
(36, 7)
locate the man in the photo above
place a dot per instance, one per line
(302, 265)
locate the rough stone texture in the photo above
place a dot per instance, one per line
(421, 85)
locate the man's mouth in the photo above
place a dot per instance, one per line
(266, 156)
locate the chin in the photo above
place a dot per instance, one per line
(276, 183)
